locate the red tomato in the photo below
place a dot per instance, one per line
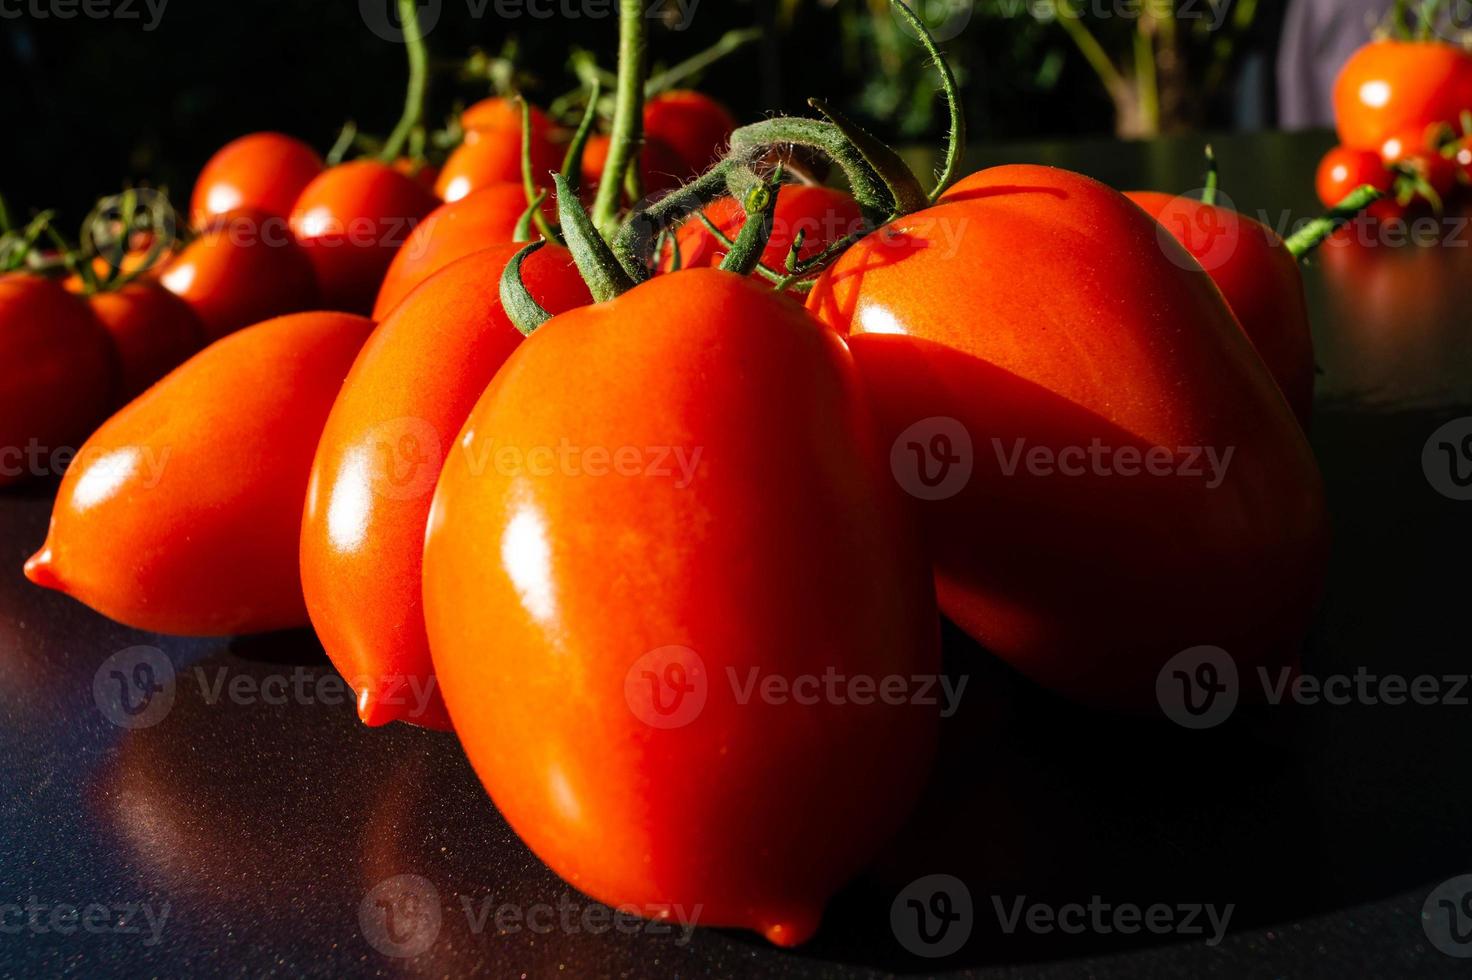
(262, 171)
(58, 372)
(493, 156)
(659, 166)
(1109, 474)
(182, 512)
(351, 221)
(1258, 277)
(579, 554)
(153, 330)
(1343, 169)
(451, 231)
(824, 215)
(502, 113)
(1462, 159)
(1415, 151)
(422, 171)
(381, 451)
(243, 268)
(1390, 87)
(695, 126)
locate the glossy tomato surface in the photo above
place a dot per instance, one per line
(152, 330)
(262, 171)
(662, 500)
(1389, 87)
(391, 429)
(1109, 475)
(499, 112)
(351, 221)
(1342, 170)
(493, 156)
(695, 126)
(821, 214)
(58, 374)
(183, 511)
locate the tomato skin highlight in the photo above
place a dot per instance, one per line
(547, 585)
(391, 428)
(351, 221)
(1343, 169)
(245, 267)
(452, 231)
(1258, 277)
(1389, 87)
(58, 370)
(261, 171)
(823, 214)
(152, 330)
(695, 126)
(1047, 314)
(182, 512)
(493, 156)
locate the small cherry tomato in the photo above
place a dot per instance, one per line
(182, 512)
(1389, 87)
(823, 215)
(423, 172)
(695, 126)
(602, 584)
(377, 462)
(58, 371)
(1342, 170)
(262, 171)
(153, 330)
(243, 268)
(351, 221)
(659, 166)
(493, 156)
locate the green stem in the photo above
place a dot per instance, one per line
(523, 230)
(528, 180)
(572, 163)
(605, 277)
(1311, 235)
(418, 77)
(760, 205)
(1208, 193)
(868, 189)
(903, 186)
(628, 113)
(727, 243)
(956, 136)
(525, 313)
(634, 243)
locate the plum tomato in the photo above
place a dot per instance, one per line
(262, 171)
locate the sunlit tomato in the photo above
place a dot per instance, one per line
(58, 372)
(262, 171)
(351, 221)
(182, 512)
(376, 466)
(824, 216)
(1258, 277)
(1415, 151)
(153, 331)
(1109, 475)
(487, 217)
(497, 112)
(1342, 170)
(1390, 87)
(659, 166)
(607, 569)
(243, 268)
(422, 171)
(493, 156)
(695, 126)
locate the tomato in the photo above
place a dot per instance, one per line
(493, 156)
(695, 126)
(381, 451)
(182, 512)
(1109, 475)
(498, 112)
(1343, 169)
(1389, 87)
(580, 553)
(423, 172)
(152, 330)
(1462, 159)
(1258, 277)
(824, 215)
(262, 171)
(1416, 152)
(659, 166)
(486, 217)
(351, 221)
(58, 371)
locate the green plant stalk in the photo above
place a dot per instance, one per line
(572, 163)
(760, 205)
(418, 80)
(605, 276)
(528, 180)
(728, 42)
(956, 135)
(903, 186)
(1311, 235)
(523, 230)
(628, 114)
(1208, 193)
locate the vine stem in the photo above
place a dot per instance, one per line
(418, 79)
(628, 113)
(1312, 234)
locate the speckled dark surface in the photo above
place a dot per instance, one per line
(260, 829)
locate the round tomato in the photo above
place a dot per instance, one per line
(152, 330)
(380, 454)
(1342, 170)
(1416, 153)
(498, 112)
(493, 156)
(822, 214)
(423, 172)
(183, 511)
(659, 166)
(58, 372)
(243, 268)
(1390, 87)
(1108, 473)
(607, 569)
(351, 221)
(262, 171)
(695, 126)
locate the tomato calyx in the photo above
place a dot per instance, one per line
(18, 245)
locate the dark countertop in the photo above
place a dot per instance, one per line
(236, 835)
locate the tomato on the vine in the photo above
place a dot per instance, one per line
(1391, 86)
(493, 156)
(695, 126)
(824, 216)
(499, 112)
(262, 171)
(152, 330)
(1343, 169)
(659, 166)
